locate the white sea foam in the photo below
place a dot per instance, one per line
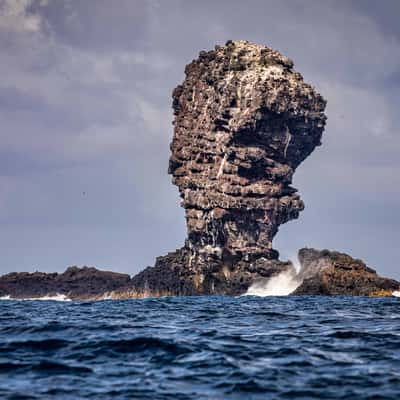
(280, 285)
(396, 293)
(56, 297)
(106, 296)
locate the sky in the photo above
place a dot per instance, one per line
(85, 116)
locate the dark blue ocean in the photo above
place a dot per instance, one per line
(201, 348)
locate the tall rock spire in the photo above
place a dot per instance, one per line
(244, 120)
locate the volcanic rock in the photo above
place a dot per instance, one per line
(332, 273)
(244, 121)
(176, 275)
(75, 283)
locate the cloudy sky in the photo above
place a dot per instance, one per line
(85, 116)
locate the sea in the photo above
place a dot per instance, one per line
(212, 347)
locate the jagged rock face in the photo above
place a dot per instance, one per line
(244, 120)
(75, 283)
(175, 275)
(325, 272)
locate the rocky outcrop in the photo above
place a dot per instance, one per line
(244, 121)
(174, 275)
(332, 273)
(323, 272)
(75, 284)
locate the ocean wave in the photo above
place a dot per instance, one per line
(280, 285)
(33, 345)
(56, 368)
(247, 347)
(135, 345)
(56, 297)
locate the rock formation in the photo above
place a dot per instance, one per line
(244, 121)
(332, 273)
(75, 283)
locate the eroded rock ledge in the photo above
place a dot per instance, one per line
(332, 273)
(323, 272)
(75, 283)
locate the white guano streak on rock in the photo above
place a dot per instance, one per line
(289, 137)
(221, 166)
(246, 86)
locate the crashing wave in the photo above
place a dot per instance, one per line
(56, 297)
(280, 285)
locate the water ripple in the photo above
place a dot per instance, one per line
(201, 348)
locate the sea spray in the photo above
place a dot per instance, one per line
(279, 285)
(56, 297)
(296, 263)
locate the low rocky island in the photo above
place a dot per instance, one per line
(322, 272)
(75, 283)
(244, 121)
(332, 273)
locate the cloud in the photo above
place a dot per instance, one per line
(85, 107)
(15, 17)
(98, 26)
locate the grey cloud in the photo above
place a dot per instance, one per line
(385, 14)
(96, 25)
(85, 108)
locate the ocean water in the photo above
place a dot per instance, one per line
(201, 348)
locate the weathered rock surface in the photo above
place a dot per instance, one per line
(173, 275)
(323, 272)
(244, 121)
(332, 273)
(75, 283)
